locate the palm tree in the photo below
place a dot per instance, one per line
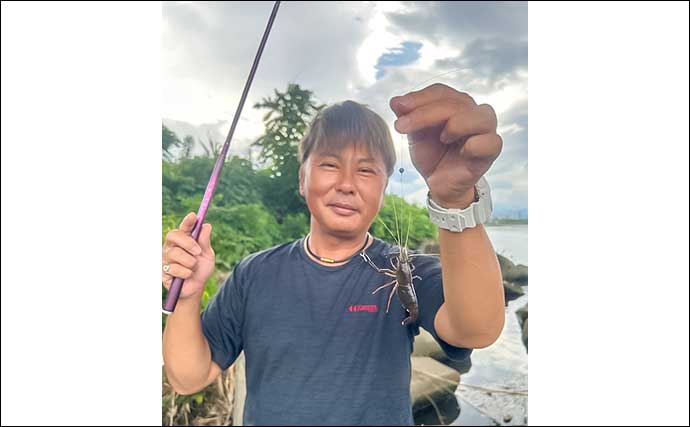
(187, 146)
(170, 140)
(213, 148)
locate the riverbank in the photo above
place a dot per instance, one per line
(493, 386)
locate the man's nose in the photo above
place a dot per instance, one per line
(345, 182)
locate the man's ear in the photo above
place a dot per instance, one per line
(301, 180)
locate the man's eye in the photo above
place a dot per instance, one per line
(328, 165)
(367, 170)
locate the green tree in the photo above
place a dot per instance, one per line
(241, 230)
(399, 216)
(294, 226)
(184, 184)
(287, 120)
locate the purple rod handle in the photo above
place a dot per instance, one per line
(176, 286)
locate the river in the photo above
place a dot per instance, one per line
(510, 241)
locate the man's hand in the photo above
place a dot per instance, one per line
(453, 141)
(194, 262)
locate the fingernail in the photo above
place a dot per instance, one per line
(197, 250)
(402, 101)
(402, 123)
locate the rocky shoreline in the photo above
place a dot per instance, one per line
(446, 408)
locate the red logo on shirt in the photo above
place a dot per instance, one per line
(370, 308)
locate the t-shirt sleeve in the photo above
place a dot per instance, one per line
(429, 292)
(222, 320)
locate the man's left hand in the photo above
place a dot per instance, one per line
(453, 141)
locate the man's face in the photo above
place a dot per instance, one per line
(344, 190)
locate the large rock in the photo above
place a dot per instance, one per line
(511, 272)
(522, 314)
(434, 382)
(518, 274)
(504, 262)
(522, 317)
(512, 291)
(426, 346)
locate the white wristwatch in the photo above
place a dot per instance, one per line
(459, 219)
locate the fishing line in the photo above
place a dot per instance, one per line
(401, 170)
(434, 77)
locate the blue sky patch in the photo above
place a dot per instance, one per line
(402, 55)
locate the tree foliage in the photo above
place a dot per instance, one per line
(404, 223)
(286, 121)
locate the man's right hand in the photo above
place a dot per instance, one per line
(194, 262)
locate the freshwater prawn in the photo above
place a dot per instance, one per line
(401, 272)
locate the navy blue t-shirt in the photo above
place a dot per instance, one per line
(320, 348)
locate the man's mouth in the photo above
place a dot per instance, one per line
(343, 209)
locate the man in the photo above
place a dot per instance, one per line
(320, 347)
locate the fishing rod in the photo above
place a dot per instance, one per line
(176, 286)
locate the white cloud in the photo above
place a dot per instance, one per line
(378, 41)
(332, 48)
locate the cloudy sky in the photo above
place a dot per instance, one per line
(364, 51)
